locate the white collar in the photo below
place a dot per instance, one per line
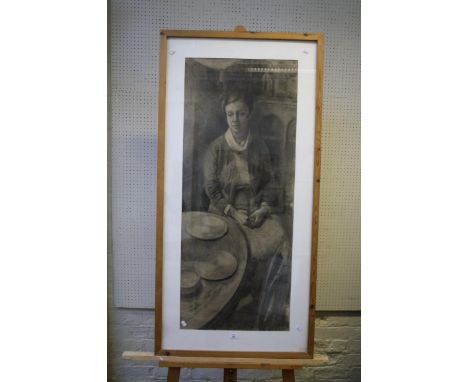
(232, 143)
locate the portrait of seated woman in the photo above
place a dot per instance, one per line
(239, 142)
(238, 181)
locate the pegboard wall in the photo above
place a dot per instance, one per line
(134, 28)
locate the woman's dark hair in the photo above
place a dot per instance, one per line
(230, 97)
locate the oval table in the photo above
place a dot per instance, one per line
(213, 298)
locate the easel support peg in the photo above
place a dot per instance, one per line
(173, 374)
(288, 375)
(230, 375)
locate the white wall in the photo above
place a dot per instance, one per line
(135, 29)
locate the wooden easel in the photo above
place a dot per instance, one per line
(230, 365)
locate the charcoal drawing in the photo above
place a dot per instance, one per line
(238, 193)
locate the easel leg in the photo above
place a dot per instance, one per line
(288, 375)
(173, 374)
(230, 375)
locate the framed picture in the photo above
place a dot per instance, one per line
(237, 193)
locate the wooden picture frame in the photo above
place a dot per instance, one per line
(281, 70)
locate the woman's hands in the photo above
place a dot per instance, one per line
(255, 219)
(239, 215)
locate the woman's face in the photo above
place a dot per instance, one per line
(238, 115)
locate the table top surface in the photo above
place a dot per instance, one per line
(211, 296)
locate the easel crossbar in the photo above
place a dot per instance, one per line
(227, 363)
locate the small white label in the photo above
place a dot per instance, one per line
(183, 323)
(298, 328)
(233, 336)
(172, 52)
(305, 51)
